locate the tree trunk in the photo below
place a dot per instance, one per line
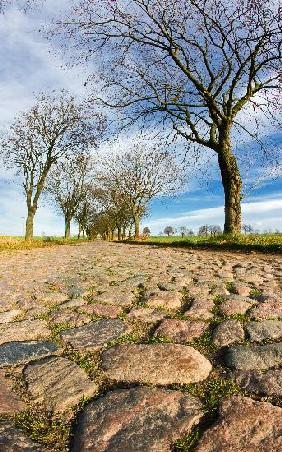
(119, 233)
(232, 184)
(29, 225)
(136, 226)
(79, 231)
(123, 233)
(67, 227)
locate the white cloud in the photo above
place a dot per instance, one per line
(266, 214)
(28, 64)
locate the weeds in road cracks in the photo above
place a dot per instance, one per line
(41, 426)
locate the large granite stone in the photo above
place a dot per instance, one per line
(116, 298)
(21, 352)
(58, 383)
(138, 419)
(10, 403)
(270, 309)
(201, 308)
(26, 330)
(228, 332)
(268, 383)
(70, 317)
(180, 331)
(168, 300)
(95, 335)
(267, 329)
(146, 315)
(13, 440)
(244, 425)
(257, 357)
(235, 304)
(155, 363)
(102, 310)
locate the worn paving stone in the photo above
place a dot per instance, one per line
(165, 299)
(244, 425)
(139, 419)
(116, 298)
(26, 330)
(270, 309)
(10, 403)
(161, 364)
(14, 440)
(51, 298)
(74, 319)
(76, 303)
(228, 332)
(146, 315)
(95, 335)
(101, 310)
(258, 357)
(241, 289)
(236, 304)
(180, 331)
(9, 316)
(200, 309)
(58, 383)
(267, 329)
(20, 352)
(268, 383)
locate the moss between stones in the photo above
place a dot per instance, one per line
(211, 392)
(42, 427)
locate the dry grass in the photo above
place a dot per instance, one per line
(18, 243)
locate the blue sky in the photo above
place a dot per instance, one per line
(29, 65)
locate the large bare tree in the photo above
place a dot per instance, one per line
(55, 127)
(190, 65)
(68, 183)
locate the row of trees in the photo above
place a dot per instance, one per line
(207, 231)
(54, 149)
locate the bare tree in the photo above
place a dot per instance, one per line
(168, 230)
(214, 230)
(146, 231)
(191, 65)
(67, 184)
(135, 177)
(247, 228)
(203, 230)
(54, 128)
(183, 231)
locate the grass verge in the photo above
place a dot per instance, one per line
(18, 243)
(268, 243)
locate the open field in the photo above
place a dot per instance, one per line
(253, 242)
